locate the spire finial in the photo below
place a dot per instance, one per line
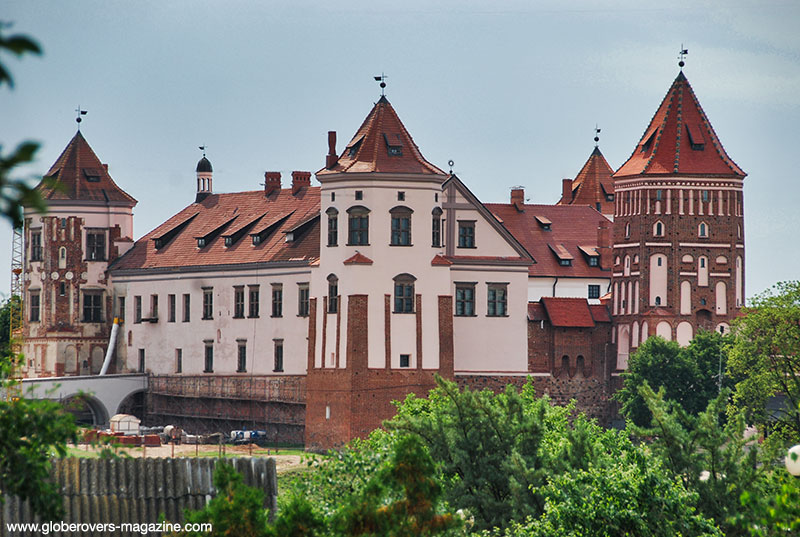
(451, 163)
(684, 52)
(203, 149)
(596, 134)
(382, 80)
(80, 112)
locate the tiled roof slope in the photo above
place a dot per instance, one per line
(79, 175)
(571, 226)
(592, 184)
(383, 145)
(568, 312)
(295, 213)
(666, 146)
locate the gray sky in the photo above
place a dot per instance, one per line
(510, 90)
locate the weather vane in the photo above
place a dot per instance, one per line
(684, 52)
(382, 80)
(596, 134)
(203, 149)
(80, 113)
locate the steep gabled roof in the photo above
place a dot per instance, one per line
(383, 145)
(544, 229)
(242, 214)
(593, 184)
(679, 140)
(79, 175)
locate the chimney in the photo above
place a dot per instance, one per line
(105, 167)
(331, 158)
(300, 180)
(272, 182)
(566, 191)
(518, 198)
(604, 244)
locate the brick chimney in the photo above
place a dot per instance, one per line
(604, 245)
(331, 158)
(272, 182)
(566, 191)
(300, 180)
(518, 198)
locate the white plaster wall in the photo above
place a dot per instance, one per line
(658, 279)
(565, 287)
(722, 298)
(664, 330)
(686, 298)
(684, 333)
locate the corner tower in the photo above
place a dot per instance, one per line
(678, 229)
(593, 186)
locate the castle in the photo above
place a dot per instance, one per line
(306, 310)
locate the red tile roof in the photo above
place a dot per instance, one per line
(282, 211)
(571, 226)
(440, 260)
(536, 312)
(358, 259)
(600, 313)
(79, 175)
(592, 184)
(666, 147)
(568, 312)
(382, 144)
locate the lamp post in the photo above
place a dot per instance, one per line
(793, 460)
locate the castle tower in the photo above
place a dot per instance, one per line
(204, 179)
(678, 229)
(593, 186)
(70, 303)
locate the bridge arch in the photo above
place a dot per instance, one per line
(87, 409)
(133, 404)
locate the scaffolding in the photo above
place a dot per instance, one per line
(16, 310)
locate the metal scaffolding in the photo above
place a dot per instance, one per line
(16, 317)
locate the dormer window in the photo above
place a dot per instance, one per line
(201, 242)
(544, 222)
(256, 239)
(593, 261)
(228, 241)
(92, 175)
(696, 140)
(565, 262)
(393, 145)
(353, 149)
(647, 144)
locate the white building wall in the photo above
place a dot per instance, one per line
(539, 287)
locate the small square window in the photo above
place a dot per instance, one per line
(401, 196)
(405, 360)
(594, 291)
(359, 194)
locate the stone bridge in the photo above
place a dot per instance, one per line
(92, 398)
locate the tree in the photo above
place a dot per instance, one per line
(689, 375)
(6, 310)
(765, 355)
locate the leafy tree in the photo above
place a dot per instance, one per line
(688, 375)
(765, 355)
(776, 514)
(6, 310)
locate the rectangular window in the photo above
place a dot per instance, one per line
(401, 196)
(171, 308)
(436, 231)
(121, 308)
(658, 194)
(594, 261)
(137, 309)
(302, 299)
(209, 358)
(497, 305)
(594, 291)
(465, 300)
(254, 299)
(95, 245)
(93, 307)
(153, 308)
(333, 295)
(141, 361)
(401, 229)
(333, 229)
(359, 228)
(179, 360)
(705, 195)
(405, 360)
(208, 303)
(403, 296)
(238, 302)
(187, 307)
(359, 194)
(36, 246)
(277, 300)
(33, 315)
(278, 356)
(62, 289)
(466, 234)
(241, 357)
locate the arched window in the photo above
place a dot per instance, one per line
(702, 271)
(358, 226)
(401, 226)
(627, 267)
(62, 257)
(436, 227)
(702, 230)
(658, 229)
(404, 293)
(333, 226)
(333, 293)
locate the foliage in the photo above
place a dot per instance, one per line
(765, 354)
(237, 509)
(715, 460)
(11, 305)
(15, 193)
(31, 431)
(776, 514)
(688, 375)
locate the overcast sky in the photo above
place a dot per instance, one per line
(510, 91)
